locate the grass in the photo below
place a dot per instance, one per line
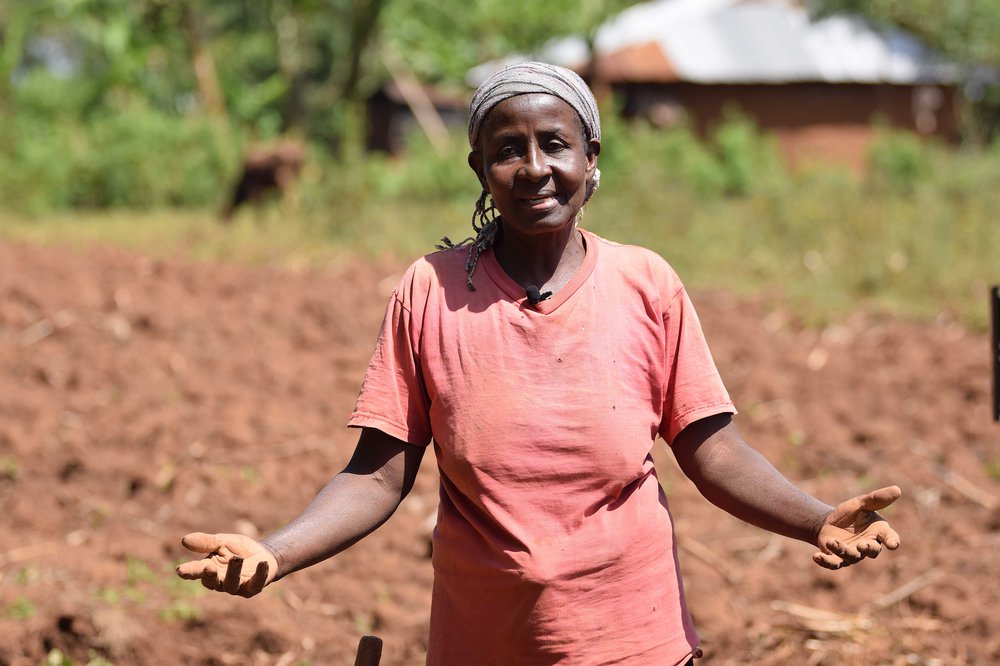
(143, 583)
(19, 609)
(8, 468)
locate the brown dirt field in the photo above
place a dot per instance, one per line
(142, 398)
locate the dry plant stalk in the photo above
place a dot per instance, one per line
(818, 620)
(708, 556)
(831, 622)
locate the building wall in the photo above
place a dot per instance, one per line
(813, 121)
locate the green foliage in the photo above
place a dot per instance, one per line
(444, 39)
(139, 158)
(898, 161)
(734, 160)
(269, 66)
(424, 174)
(746, 157)
(727, 214)
(137, 571)
(915, 235)
(19, 609)
(181, 611)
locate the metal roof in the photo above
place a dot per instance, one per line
(743, 41)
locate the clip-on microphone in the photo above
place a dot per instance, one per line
(534, 295)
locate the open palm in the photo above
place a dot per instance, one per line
(854, 530)
(234, 563)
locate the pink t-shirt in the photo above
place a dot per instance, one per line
(554, 543)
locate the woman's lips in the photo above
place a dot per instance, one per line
(541, 202)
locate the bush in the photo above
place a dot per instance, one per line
(898, 161)
(138, 158)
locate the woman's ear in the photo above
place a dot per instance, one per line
(476, 163)
(593, 150)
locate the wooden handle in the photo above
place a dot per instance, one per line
(995, 349)
(369, 651)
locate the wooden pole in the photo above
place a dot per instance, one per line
(369, 651)
(416, 98)
(995, 349)
(203, 65)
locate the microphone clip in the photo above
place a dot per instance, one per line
(534, 295)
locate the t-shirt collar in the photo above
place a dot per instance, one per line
(516, 292)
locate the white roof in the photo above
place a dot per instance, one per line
(752, 41)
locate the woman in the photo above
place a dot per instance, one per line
(543, 361)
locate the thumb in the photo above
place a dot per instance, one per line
(200, 542)
(881, 498)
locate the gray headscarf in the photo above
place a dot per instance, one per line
(535, 77)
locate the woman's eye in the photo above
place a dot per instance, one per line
(507, 151)
(555, 146)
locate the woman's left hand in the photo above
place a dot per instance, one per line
(854, 530)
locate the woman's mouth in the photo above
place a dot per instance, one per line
(541, 202)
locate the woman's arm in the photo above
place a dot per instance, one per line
(736, 478)
(352, 505)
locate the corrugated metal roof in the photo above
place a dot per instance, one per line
(744, 41)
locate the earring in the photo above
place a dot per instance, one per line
(579, 215)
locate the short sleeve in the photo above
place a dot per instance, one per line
(694, 389)
(393, 396)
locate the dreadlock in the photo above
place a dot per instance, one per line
(486, 223)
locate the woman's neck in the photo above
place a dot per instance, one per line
(547, 261)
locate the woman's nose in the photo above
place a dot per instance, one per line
(536, 165)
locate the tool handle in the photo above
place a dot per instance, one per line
(995, 348)
(369, 651)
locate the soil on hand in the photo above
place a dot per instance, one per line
(144, 398)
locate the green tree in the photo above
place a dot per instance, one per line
(442, 40)
(263, 66)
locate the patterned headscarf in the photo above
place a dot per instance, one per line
(535, 77)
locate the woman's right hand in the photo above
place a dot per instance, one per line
(233, 563)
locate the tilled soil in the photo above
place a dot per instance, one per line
(143, 398)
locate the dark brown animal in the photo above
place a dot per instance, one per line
(267, 168)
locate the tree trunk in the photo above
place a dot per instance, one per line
(205, 75)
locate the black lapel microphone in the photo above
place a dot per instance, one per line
(534, 296)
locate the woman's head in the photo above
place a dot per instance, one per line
(535, 134)
(536, 78)
(534, 160)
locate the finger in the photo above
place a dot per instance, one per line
(885, 535)
(194, 569)
(881, 498)
(869, 548)
(232, 582)
(849, 554)
(200, 542)
(210, 578)
(826, 560)
(256, 582)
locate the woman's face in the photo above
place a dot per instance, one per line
(533, 158)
